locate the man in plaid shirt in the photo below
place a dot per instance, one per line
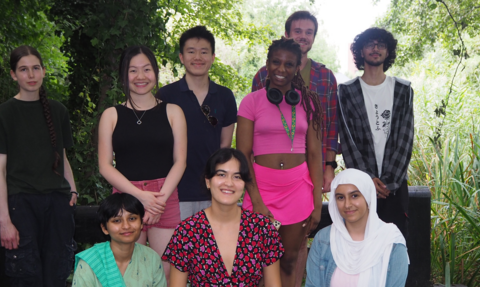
(302, 26)
(376, 123)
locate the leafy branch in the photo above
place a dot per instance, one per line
(440, 111)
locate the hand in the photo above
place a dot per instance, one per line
(328, 175)
(382, 191)
(9, 236)
(150, 218)
(152, 201)
(311, 223)
(262, 209)
(73, 200)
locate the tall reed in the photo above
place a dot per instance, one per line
(453, 175)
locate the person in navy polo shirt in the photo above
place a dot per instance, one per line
(210, 110)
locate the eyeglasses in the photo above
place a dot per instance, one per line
(206, 111)
(371, 45)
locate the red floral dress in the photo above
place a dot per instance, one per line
(193, 249)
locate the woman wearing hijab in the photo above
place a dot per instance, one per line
(358, 249)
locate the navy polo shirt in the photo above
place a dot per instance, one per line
(203, 138)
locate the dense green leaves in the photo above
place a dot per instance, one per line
(249, 55)
(96, 33)
(81, 42)
(438, 27)
(23, 22)
(439, 51)
(422, 24)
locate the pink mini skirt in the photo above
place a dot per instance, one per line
(171, 216)
(287, 193)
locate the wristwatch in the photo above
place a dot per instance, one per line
(332, 163)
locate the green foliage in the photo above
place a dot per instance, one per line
(441, 25)
(248, 56)
(81, 43)
(450, 169)
(24, 23)
(96, 32)
(439, 52)
(453, 176)
(221, 73)
(430, 77)
(426, 23)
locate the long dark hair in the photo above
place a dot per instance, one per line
(310, 100)
(15, 57)
(125, 59)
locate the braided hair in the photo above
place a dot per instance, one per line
(15, 57)
(310, 100)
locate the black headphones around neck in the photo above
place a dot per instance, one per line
(275, 96)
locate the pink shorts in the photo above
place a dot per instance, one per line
(171, 216)
(287, 193)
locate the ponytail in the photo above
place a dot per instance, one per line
(51, 127)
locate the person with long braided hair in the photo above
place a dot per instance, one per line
(284, 136)
(37, 188)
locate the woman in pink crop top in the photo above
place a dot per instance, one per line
(284, 187)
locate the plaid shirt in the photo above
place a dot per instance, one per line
(356, 136)
(322, 81)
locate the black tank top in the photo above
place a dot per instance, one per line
(145, 151)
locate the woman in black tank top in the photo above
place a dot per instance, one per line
(142, 148)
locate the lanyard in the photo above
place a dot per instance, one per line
(294, 123)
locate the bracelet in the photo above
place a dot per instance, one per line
(74, 192)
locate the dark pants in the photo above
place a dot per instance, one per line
(45, 223)
(394, 208)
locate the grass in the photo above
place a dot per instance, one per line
(452, 172)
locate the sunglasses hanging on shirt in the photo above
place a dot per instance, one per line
(211, 119)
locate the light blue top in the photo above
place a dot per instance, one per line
(320, 264)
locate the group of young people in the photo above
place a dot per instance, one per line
(177, 183)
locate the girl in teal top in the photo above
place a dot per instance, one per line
(119, 262)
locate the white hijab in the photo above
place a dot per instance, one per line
(372, 255)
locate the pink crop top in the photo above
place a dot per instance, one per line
(269, 135)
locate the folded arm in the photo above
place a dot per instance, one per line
(152, 202)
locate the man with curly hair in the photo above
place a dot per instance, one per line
(376, 123)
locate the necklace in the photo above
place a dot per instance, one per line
(139, 122)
